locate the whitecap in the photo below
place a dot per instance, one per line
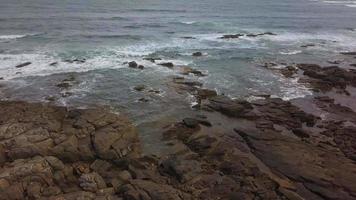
(188, 22)
(290, 52)
(11, 37)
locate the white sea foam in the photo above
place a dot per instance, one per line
(188, 22)
(11, 37)
(40, 65)
(290, 52)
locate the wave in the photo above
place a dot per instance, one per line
(18, 36)
(188, 22)
(159, 10)
(290, 52)
(132, 37)
(11, 37)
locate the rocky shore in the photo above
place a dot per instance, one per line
(267, 148)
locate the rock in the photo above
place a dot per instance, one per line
(353, 65)
(301, 162)
(260, 34)
(350, 53)
(76, 60)
(50, 98)
(307, 45)
(1, 78)
(168, 64)
(140, 88)
(188, 37)
(143, 99)
(289, 71)
(326, 78)
(191, 122)
(141, 67)
(232, 36)
(185, 70)
(23, 64)
(153, 60)
(206, 93)
(197, 54)
(146, 189)
(232, 108)
(64, 85)
(187, 82)
(53, 64)
(92, 182)
(133, 64)
(180, 169)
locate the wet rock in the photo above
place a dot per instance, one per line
(140, 88)
(133, 64)
(197, 54)
(180, 169)
(229, 107)
(185, 70)
(191, 122)
(350, 53)
(189, 83)
(168, 64)
(76, 60)
(153, 60)
(53, 64)
(260, 34)
(326, 78)
(143, 99)
(23, 65)
(307, 45)
(232, 36)
(188, 37)
(1, 78)
(64, 85)
(140, 67)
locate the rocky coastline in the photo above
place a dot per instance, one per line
(267, 148)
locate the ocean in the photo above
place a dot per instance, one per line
(105, 35)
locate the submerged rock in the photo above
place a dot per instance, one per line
(139, 88)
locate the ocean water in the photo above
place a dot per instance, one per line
(108, 33)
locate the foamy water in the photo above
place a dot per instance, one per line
(109, 34)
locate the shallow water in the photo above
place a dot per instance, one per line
(109, 33)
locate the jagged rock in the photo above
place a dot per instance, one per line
(181, 169)
(133, 64)
(197, 54)
(92, 182)
(232, 108)
(145, 189)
